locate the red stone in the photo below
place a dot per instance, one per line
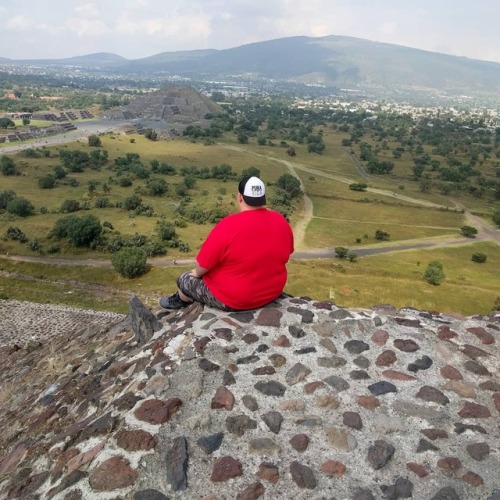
(135, 440)
(312, 386)
(157, 345)
(251, 492)
(223, 399)
(156, 411)
(84, 458)
(380, 337)
(450, 372)
(496, 401)
(232, 367)
(418, 469)
(472, 478)
(473, 410)
(464, 390)
(112, 474)
(226, 468)
(269, 472)
(386, 358)
(63, 459)
(200, 344)
(406, 345)
(449, 465)
(369, 402)
(282, 341)
(434, 434)
(333, 468)
(300, 442)
(13, 459)
(346, 332)
(484, 336)
(446, 333)
(395, 375)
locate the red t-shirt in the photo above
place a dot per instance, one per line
(246, 254)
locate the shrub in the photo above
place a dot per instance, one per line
(352, 256)
(21, 207)
(341, 252)
(84, 231)
(290, 184)
(94, 141)
(496, 217)
(15, 234)
(130, 262)
(7, 166)
(59, 172)
(5, 197)
(125, 181)
(47, 181)
(165, 230)
(132, 202)
(102, 202)
(434, 274)
(468, 231)
(81, 231)
(156, 187)
(479, 257)
(382, 235)
(358, 186)
(70, 206)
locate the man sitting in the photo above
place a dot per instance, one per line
(242, 263)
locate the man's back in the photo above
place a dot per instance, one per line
(247, 254)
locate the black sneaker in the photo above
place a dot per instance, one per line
(173, 302)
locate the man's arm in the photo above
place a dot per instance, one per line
(199, 271)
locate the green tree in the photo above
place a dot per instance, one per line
(496, 217)
(250, 172)
(132, 202)
(290, 185)
(382, 235)
(479, 257)
(59, 172)
(157, 187)
(15, 234)
(47, 181)
(84, 230)
(341, 252)
(165, 230)
(6, 123)
(7, 166)
(151, 134)
(5, 197)
(434, 274)
(26, 121)
(70, 206)
(242, 138)
(20, 206)
(468, 231)
(130, 262)
(94, 141)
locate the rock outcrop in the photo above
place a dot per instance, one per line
(299, 399)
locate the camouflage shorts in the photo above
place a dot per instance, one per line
(197, 290)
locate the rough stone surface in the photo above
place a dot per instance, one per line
(299, 399)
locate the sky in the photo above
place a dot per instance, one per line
(53, 29)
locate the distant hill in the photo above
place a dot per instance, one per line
(332, 60)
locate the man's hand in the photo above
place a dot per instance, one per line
(198, 271)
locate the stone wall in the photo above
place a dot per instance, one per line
(299, 399)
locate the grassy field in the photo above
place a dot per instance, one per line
(392, 278)
(340, 218)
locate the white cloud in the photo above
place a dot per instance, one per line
(87, 27)
(389, 28)
(87, 10)
(19, 23)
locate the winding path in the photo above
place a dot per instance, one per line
(485, 231)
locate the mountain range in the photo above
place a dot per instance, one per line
(333, 61)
